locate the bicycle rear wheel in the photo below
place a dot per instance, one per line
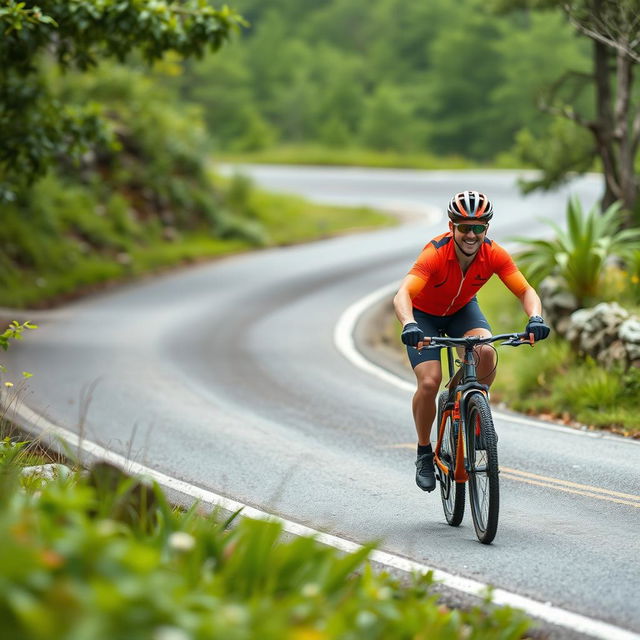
(451, 492)
(484, 489)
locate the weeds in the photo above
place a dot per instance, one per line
(86, 559)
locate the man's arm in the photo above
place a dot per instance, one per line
(410, 287)
(531, 302)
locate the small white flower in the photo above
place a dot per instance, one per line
(181, 541)
(310, 590)
(384, 593)
(170, 633)
(234, 614)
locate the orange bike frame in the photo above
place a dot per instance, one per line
(460, 472)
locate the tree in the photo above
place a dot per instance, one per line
(35, 129)
(465, 70)
(613, 26)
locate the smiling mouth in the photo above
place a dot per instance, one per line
(468, 247)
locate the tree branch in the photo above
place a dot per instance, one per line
(607, 40)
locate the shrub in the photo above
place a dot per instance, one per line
(104, 556)
(578, 254)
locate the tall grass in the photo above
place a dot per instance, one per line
(579, 254)
(104, 556)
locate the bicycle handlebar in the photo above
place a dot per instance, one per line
(510, 340)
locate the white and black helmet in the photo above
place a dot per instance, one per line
(470, 204)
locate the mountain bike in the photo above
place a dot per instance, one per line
(467, 446)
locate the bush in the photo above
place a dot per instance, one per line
(579, 254)
(102, 555)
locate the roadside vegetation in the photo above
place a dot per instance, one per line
(146, 201)
(99, 554)
(353, 156)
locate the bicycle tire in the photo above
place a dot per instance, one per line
(452, 493)
(484, 487)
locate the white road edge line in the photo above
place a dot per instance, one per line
(344, 342)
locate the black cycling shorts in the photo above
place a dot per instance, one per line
(455, 326)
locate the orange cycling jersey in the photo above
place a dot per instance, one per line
(447, 289)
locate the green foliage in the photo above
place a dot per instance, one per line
(14, 332)
(75, 564)
(10, 451)
(383, 75)
(558, 151)
(91, 222)
(533, 49)
(633, 286)
(36, 129)
(579, 254)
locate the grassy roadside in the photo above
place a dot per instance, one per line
(358, 157)
(102, 555)
(117, 255)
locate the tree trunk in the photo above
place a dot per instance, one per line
(603, 125)
(624, 133)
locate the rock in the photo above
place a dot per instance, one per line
(46, 472)
(629, 330)
(563, 325)
(605, 332)
(615, 352)
(633, 351)
(558, 303)
(579, 318)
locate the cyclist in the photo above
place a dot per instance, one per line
(439, 294)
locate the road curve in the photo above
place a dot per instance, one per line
(226, 376)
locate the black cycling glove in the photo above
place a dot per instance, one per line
(537, 326)
(411, 334)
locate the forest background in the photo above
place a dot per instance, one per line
(441, 79)
(107, 159)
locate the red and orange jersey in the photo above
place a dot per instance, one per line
(446, 289)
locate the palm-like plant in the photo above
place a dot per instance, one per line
(579, 253)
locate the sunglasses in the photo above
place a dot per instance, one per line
(465, 228)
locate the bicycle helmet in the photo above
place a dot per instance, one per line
(470, 204)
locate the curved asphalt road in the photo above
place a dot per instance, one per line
(226, 376)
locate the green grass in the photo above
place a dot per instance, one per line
(290, 219)
(103, 556)
(60, 264)
(351, 156)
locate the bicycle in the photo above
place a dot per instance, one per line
(467, 449)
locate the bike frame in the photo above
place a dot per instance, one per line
(467, 387)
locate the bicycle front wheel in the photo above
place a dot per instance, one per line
(451, 492)
(484, 489)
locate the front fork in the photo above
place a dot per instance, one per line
(461, 469)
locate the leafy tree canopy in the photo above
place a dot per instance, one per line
(34, 128)
(613, 29)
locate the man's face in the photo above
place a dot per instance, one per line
(468, 236)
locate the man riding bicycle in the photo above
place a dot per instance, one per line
(439, 295)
